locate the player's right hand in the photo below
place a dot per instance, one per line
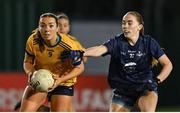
(30, 74)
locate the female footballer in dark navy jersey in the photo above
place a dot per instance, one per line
(130, 70)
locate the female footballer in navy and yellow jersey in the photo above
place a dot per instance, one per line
(43, 50)
(130, 70)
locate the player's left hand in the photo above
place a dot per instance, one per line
(57, 81)
(157, 80)
(30, 74)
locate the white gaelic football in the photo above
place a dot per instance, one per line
(42, 80)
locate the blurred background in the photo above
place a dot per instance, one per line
(92, 23)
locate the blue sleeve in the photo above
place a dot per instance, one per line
(155, 48)
(111, 46)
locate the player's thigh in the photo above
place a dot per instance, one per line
(121, 103)
(62, 98)
(32, 99)
(62, 103)
(148, 102)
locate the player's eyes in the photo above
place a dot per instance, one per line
(65, 25)
(42, 25)
(130, 23)
(51, 26)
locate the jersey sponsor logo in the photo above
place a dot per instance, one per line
(50, 52)
(123, 53)
(130, 64)
(139, 54)
(130, 67)
(130, 51)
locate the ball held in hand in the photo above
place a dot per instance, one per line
(42, 80)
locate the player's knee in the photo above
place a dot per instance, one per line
(148, 110)
(62, 109)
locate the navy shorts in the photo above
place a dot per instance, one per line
(62, 90)
(129, 97)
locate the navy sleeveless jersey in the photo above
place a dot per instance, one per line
(130, 66)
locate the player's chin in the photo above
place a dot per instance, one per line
(48, 38)
(127, 36)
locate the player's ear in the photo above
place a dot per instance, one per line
(140, 27)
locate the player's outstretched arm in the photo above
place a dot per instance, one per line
(95, 51)
(77, 55)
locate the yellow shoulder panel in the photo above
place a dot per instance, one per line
(71, 41)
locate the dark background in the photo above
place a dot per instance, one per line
(162, 21)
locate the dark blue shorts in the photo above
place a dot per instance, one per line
(62, 90)
(129, 97)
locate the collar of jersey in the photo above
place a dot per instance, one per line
(137, 42)
(58, 41)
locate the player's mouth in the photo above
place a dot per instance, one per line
(47, 34)
(126, 32)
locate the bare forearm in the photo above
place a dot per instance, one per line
(28, 68)
(166, 70)
(75, 72)
(28, 64)
(95, 51)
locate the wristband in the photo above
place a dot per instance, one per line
(158, 81)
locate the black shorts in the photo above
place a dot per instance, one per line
(62, 90)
